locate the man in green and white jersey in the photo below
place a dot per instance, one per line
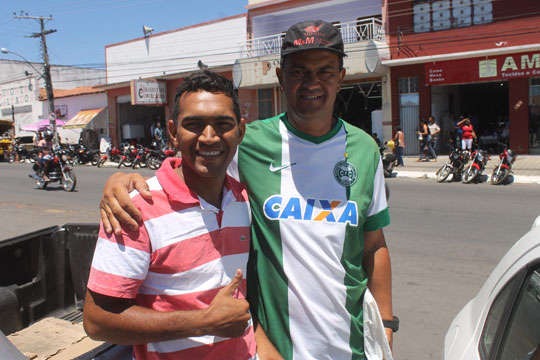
(317, 197)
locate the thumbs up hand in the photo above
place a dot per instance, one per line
(227, 316)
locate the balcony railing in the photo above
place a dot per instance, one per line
(351, 32)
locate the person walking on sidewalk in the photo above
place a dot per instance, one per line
(434, 130)
(399, 142)
(426, 141)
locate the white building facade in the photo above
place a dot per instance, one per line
(20, 84)
(143, 73)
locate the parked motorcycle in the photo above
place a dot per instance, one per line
(156, 157)
(479, 159)
(504, 168)
(128, 156)
(83, 155)
(388, 160)
(455, 165)
(113, 154)
(19, 152)
(59, 170)
(140, 158)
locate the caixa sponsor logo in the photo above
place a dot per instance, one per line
(276, 207)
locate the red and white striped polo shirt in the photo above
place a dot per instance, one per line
(183, 253)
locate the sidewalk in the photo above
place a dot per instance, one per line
(526, 168)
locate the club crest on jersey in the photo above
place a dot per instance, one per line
(277, 207)
(345, 173)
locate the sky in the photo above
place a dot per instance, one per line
(85, 27)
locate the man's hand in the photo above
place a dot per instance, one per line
(116, 206)
(227, 316)
(390, 337)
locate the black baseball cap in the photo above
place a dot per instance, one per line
(312, 35)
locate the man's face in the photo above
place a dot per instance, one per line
(207, 133)
(311, 80)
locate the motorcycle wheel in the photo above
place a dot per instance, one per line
(389, 170)
(69, 181)
(95, 159)
(143, 163)
(11, 158)
(101, 162)
(154, 163)
(470, 175)
(128, 163)
(120, 163)
(443, 173)
(135, 163)
(499, 176)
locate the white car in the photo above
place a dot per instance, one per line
(503, 320)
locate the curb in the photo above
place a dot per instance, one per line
(430, 175)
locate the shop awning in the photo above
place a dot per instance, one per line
(82, 119)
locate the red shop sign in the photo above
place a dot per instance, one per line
(491, 68)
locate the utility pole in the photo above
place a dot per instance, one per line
(47, 67)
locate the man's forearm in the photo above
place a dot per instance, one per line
(379, 272)
(133, 324)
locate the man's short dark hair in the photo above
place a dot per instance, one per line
(206, 80)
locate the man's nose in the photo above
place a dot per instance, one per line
(208, 135)
(311, 81)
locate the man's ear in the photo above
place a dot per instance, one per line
(171, 127)
(342, 73)
(241, 129)
(279, 75)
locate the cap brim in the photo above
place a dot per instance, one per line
(292, 51)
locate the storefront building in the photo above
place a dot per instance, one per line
(143, 74)
(480, 59)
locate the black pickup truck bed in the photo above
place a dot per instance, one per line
(42, 286)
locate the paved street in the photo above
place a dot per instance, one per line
(24, 208)
(444, 239)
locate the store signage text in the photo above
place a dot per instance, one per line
(148, 92)
(18, 93)
(501, 67)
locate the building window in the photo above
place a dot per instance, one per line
(265, 103)
(435, 15)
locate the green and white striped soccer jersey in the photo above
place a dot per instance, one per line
(312, 199)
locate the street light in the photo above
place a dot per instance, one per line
(48, 86)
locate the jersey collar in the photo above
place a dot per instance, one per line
(311, 138)
(178, 191)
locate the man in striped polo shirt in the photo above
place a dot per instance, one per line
(316, 190)
(176, 292)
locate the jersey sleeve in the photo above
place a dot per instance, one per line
(120, 263)
(378, 215)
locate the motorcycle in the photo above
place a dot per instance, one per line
(479, 159)
(113, 154)
(128, 156)
(504, 168)
(83, 155)
(156, 157)
(388, 160)
(19, 152)
(455, 165)
(59, 170)
(141, 157)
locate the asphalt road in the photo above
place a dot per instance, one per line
(24, 207)
(444, 239)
